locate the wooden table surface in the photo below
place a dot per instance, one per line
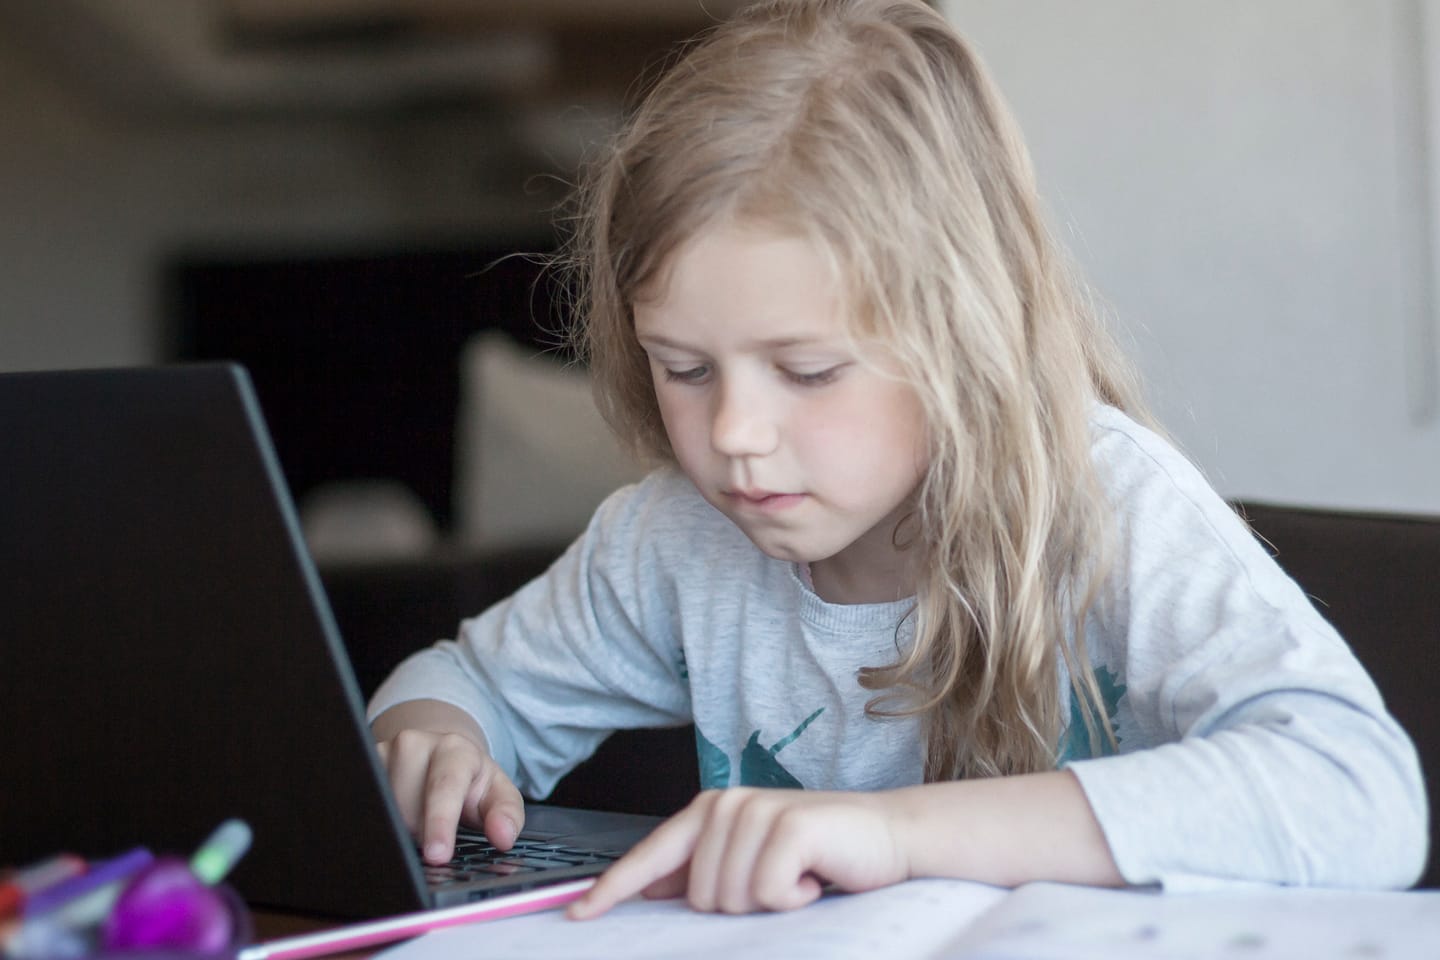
(273, 924)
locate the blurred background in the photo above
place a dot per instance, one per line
(335, 192)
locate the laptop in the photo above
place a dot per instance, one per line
(168, 659)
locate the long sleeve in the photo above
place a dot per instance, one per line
(585, 649)
(1252, 744)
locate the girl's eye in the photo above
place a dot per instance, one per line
(690, 375)
(816, 379)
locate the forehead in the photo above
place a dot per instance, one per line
(730, 241)
(743, 272)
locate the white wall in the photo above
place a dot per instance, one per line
(1244, 184)
(1243, 181)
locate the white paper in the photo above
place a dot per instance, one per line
(941, 919)
(1045, 921)
(914, 919)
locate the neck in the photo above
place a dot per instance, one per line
(885, 576)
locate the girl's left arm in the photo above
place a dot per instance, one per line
(1251, 743)
(1005, 830)
(742, 849)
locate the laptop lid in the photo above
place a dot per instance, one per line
(167, 653)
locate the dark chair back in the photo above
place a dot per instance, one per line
(1376, 577)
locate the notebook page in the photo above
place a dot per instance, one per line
(913, 919)
(1046, 921)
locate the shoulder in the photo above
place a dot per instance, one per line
(1126, 451)
(1146, 477)
(664, 499)
(664, 516)
(1178, 537)
(660, 552)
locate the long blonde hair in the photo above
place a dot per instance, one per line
(871, 127)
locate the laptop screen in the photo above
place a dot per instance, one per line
(167, 656)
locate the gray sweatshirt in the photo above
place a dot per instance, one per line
(1251, 743)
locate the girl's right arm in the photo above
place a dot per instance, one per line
(441, 773)
(546, 674)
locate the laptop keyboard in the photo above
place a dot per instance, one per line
(475, 858)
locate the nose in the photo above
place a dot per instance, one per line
(741, 424)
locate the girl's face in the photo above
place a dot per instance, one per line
(774, 417)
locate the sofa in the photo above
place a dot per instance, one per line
(1376, 577)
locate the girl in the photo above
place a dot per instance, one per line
(911, 548)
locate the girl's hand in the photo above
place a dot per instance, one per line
(441, 777)
(746, 849)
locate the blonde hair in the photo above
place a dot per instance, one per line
(870, 127)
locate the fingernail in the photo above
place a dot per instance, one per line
(435, 852)
(513, 830)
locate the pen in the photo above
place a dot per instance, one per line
(32, 879)
(58, 918)
(220, 851)
(413, 924)
(84, 899)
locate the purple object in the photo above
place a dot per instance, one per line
(166, 905)
(114, 870)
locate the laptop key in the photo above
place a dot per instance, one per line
(503, 869)
(532, 863)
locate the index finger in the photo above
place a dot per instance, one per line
(446, 786)
(656, 857)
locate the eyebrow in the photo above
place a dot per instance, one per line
(772, 343)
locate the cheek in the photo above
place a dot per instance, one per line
(876, 440)
(683, 421)
(904, 416)
(874, 421)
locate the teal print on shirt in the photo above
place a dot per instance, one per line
(1077, 743)
(714, 765)
(758, 765)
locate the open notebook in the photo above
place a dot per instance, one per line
(169, 659)
(959, 919)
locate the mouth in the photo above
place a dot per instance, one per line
(765, 501)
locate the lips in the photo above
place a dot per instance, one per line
(764, 500)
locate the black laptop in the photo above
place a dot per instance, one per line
(168, 659)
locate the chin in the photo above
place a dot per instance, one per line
(787, 552)
(790, 551)
(781, 553)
